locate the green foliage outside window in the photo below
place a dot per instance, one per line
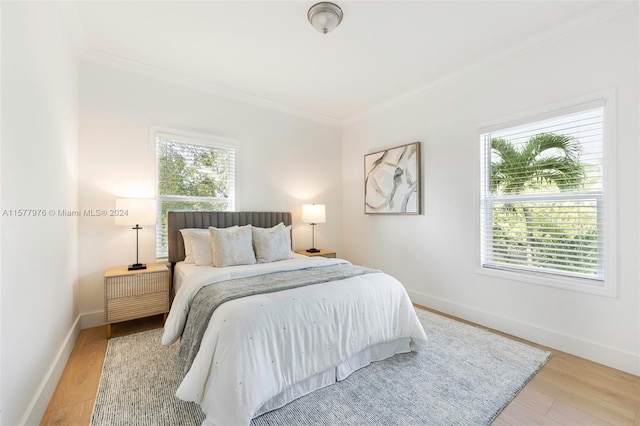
(559, 235)
(191, 178)
(193, 170)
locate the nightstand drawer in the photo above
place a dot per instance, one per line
(133, 285)
(126, 308)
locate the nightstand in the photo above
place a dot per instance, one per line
(322, 252)
(135, 294)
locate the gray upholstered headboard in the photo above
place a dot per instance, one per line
(181, 220)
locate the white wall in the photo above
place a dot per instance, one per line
(434, 254)
(282, 161)
(39, 171)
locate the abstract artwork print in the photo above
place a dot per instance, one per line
(392, 180)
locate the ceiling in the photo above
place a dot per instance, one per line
(269, 51)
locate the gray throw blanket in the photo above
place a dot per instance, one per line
(210, 297)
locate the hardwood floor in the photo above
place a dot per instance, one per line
(567, 391)
(72, 401)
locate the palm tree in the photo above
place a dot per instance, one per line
(546, 160)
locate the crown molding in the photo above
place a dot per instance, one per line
(609, 10)
(203, 86)
(599, 15)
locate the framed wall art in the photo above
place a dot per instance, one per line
(392, 180)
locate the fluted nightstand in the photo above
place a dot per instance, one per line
(322, 252)
(135, 294)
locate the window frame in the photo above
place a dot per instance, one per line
(192, 138)
(605, 287)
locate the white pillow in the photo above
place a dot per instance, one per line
(272, 244)
(232, 246)
(187, 237)
(202, 252)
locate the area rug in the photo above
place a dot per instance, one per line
(465, 377)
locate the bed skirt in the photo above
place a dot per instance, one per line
(342, 371)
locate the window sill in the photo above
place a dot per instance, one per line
(600, 288)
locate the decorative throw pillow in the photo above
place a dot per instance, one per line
(187, 237)
(202, 253)
(232, 246)
(272, 244)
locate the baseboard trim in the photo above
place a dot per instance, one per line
(40, 401)
(92, 319)
(593, 351)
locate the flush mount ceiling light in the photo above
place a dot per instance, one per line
(325, 16)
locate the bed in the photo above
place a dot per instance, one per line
(255, 335)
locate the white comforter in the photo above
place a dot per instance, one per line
(255, 349)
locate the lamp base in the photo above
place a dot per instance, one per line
(313, 250)
(137, 266)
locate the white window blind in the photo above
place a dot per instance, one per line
(192, 174)
(542, 196)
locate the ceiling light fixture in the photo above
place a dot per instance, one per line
(325, 16)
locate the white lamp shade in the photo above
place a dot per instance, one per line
(313, 213)
(136, 211)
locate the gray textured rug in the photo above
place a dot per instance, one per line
(466, 377)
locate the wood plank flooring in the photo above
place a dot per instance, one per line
(72, 401)
(568, 390)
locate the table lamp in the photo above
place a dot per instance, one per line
(136, 211)
(313, 214)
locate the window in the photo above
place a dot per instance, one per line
(192, 174)
(542, 210)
